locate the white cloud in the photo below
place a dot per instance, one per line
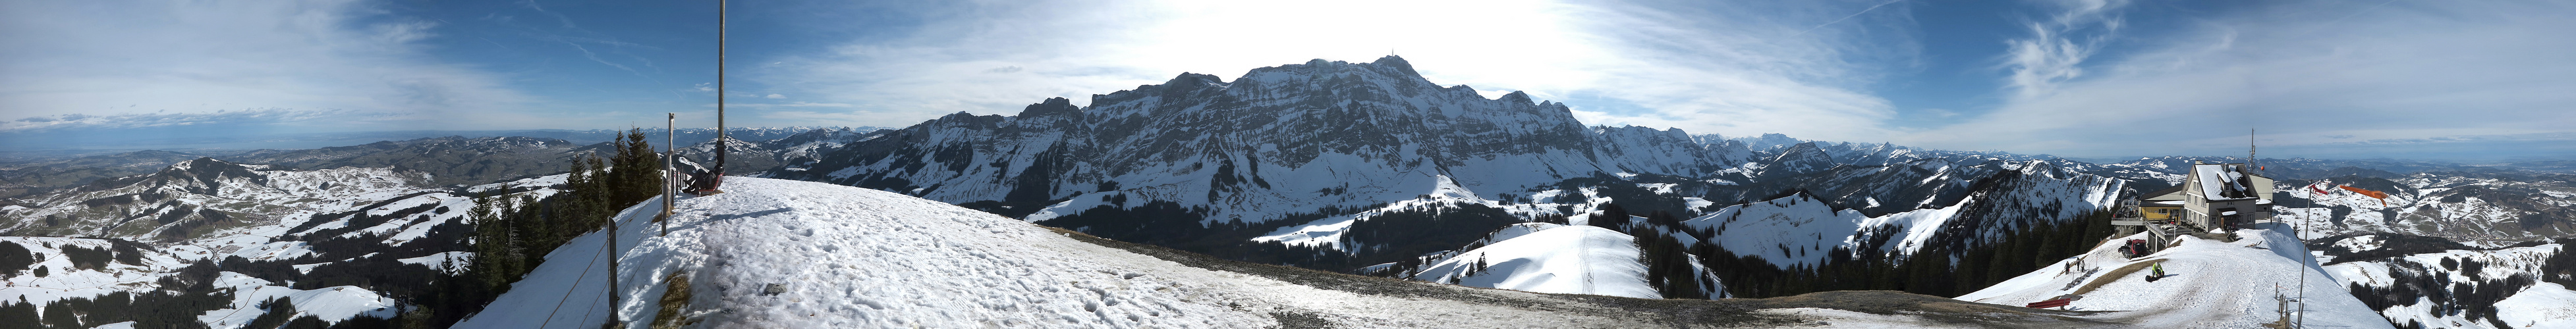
(121, 58)
(1735, 68)
(775, 96)
(2057, 46)
(2305, 73)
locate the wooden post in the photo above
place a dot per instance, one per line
(615, 319)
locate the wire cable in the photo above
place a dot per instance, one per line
(576, 285)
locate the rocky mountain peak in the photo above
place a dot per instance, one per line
(1052, 106)
(1398, 63)
(1805, 157)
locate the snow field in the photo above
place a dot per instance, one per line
(2211, 284)
(2543, 305)
(1559, 259)
(330, 303)
(63, 281)
(2538, 303)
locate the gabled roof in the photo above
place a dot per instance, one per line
(2220, 182)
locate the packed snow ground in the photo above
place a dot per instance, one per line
(2210, 284)
(842, 257)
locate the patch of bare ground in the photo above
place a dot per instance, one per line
(674, 303)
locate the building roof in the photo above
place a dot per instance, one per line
(2221, 182)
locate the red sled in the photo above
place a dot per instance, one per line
(2060, 302)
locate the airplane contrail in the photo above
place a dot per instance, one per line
(1839, 20)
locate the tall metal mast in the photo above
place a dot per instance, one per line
(722, 13)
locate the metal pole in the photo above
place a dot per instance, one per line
(670, 129)
(722, 11)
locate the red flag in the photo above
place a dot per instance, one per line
(2320, 190)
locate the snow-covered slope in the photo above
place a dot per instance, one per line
(331, 304)
(308, 226)
(2497, 288)
(2209, 284)
(153, 269)
(1553, 259)
(64, 280)
(1799, 159)
(1800, 230)
(787, 254)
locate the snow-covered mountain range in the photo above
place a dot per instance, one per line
(1303, 155)
(1333, 166)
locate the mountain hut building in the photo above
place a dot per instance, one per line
(2222, 195)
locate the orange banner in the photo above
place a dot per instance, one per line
(2373, 194)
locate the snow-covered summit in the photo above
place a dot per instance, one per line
(1800, 159)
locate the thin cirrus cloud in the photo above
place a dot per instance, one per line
(224, 118)
(149, 62)
(2310, 75)
(1707, 67)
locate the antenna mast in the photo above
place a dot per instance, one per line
(722, 17)
(715, 177)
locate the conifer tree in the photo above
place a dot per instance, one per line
(491, 244)
(59, 315)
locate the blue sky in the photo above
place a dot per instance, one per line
(2473, 80)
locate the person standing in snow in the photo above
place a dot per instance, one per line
(2158, 273)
